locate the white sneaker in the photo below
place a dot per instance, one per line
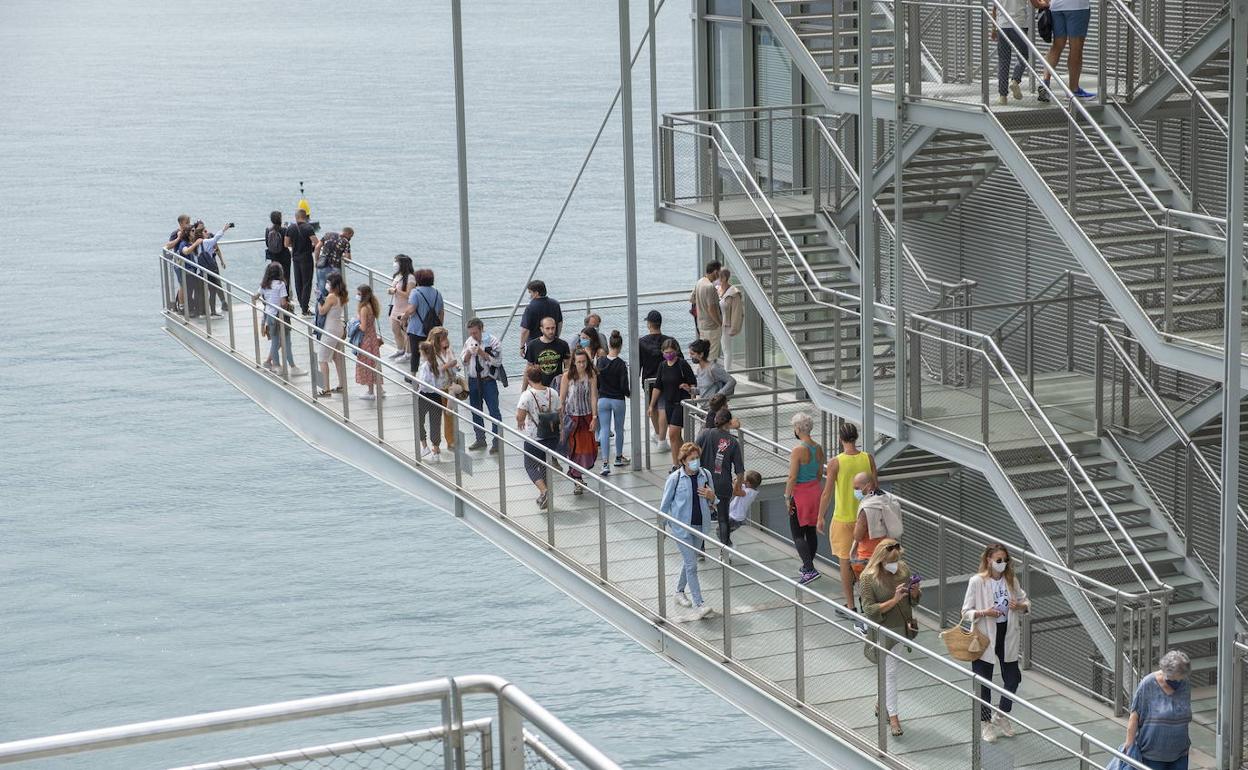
(654, 438)
(425, 452)
(368, 397)
(682, 599)
(1003, 725)
(986, 732)
(1016, 90)
(405, 358)
(396, 355)
(295, 371)
(1003, 99)
(702, 611)
(662, 446)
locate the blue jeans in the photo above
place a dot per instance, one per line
(610, 413)
(322, 273)
(689, 568)
(274, 326)
(1157, 764)
(483, 391)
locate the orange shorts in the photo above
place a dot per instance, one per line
(842, 537)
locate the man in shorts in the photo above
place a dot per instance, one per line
(838, 488)
(1070, 25)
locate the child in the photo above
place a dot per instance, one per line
(742, 498)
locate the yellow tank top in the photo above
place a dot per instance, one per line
(849, 466)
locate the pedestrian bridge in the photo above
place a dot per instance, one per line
(783, 653)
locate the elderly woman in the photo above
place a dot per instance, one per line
(1161, 712)
(801, 494)
(888, 598)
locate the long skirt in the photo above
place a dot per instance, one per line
(581, 443)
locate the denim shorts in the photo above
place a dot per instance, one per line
(1071, 23)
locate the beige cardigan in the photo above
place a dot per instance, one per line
(978, 598)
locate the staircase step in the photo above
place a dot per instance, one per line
(1195, 282)
(1192, 607)
(765, 235)
(1088, 463)
(1155, 558)
(1195, 307)
(1122, 510)
(1103, 485)
(1137, 534)
(1127, 239)
(808, 249)
(1195, 635)
(1158, 261)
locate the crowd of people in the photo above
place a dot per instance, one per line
(573, 402)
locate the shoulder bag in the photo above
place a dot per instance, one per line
(964, 641)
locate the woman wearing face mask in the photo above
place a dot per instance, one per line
(888, 598)
(590, 341)
(689, 497)
(1161, 714)
(801, 495)
(674, 382)
(368, 309)
(400, 287)
(997, 602)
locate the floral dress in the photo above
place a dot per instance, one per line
(365, 367)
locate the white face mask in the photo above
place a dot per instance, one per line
(891, 567)
(998, 566)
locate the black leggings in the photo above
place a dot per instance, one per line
(1011, 676)
(721, 513)
(807, 541)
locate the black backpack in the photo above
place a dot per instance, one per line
(274, 242)
(1044, 24)
(429, 319)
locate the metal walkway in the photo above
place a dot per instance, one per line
(781, 652)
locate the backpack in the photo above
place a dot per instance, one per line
(429, 320)
(547, 420)
(274, 243)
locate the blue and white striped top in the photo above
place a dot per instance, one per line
(1164, 719)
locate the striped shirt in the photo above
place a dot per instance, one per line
(1164, 719)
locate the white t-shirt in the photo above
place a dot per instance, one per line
(1000, 597)
(1070, 5)
(533, 402)
(273, 297)
(1018, 10)
(739, 507)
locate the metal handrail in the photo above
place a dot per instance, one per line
(1067, 456)
(447, 690)
(760, 576)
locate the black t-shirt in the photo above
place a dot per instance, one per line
(537, 309)
(669, 379)
(612, 378)
(548, 355)
(721, 455)
(301, 234)
(651, 350)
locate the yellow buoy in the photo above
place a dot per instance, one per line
(303, 204)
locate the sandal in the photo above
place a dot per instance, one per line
(324, 393)
(895, 729)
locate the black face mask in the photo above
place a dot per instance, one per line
(797, 435)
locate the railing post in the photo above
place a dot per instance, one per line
(314, 371)
(1163, 624)
(1102, 52)
(602, 531)
(255, 333)
(457, 453)
(915, 370)
(661, 567)
(837, 352)
(510, 737)
(1187, 505)
(1070, 321)
(816, 182)
(799, 647)
(1070, 522)
(984, 90)
(881, 701)
(1098, 383)
(715, 188)
(1029, 345)
(502, 472)
(771, 151)
(283, 328)
(667, 146)
(942, 568)
(1194, 143)
(229, 317)
(1119, 674)
(976, 759)
(726, 582)
(378, 392)
(550, 501)
(1026, 621)
(1085, 747)
(341, 367)
(415, 427)
(985, 379)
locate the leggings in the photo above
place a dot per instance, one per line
(427, 409)
(807, 541)
(1011, 676)
(610, 415)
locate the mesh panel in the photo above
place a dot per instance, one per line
(400, 751)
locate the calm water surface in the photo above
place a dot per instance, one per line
(166, 547)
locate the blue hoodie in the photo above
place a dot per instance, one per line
(675, 501)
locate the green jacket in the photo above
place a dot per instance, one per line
(877, 589)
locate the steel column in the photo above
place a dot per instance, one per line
(866, 231)
(1232, 339)
(900, 20)
(630, 220)
(461, 160)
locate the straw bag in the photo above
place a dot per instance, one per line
(964, 641)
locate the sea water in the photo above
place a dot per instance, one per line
(165, 546)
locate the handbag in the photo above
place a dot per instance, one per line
(459, 388)
(964, 641)
(1044, 24)
(1132, 751)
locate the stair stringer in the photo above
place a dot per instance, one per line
(882, 175)
(1160, 89)
(973, 456)
(1143, 450)
(1209, 590)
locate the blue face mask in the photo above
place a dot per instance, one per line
(694, 465)
(858, 494)
(584, 343)
(1174, 684)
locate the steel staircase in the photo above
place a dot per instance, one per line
(1113, 214)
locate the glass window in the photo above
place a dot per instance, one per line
(727, 88)
(723, 8)
(773, 86)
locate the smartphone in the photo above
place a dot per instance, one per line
(230, 224)
(915, 579)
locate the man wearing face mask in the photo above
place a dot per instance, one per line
(996, 601)
(879, 517)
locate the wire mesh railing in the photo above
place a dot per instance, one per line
(499, 740)
(619, 539)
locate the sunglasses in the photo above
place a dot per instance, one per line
(893, 547)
